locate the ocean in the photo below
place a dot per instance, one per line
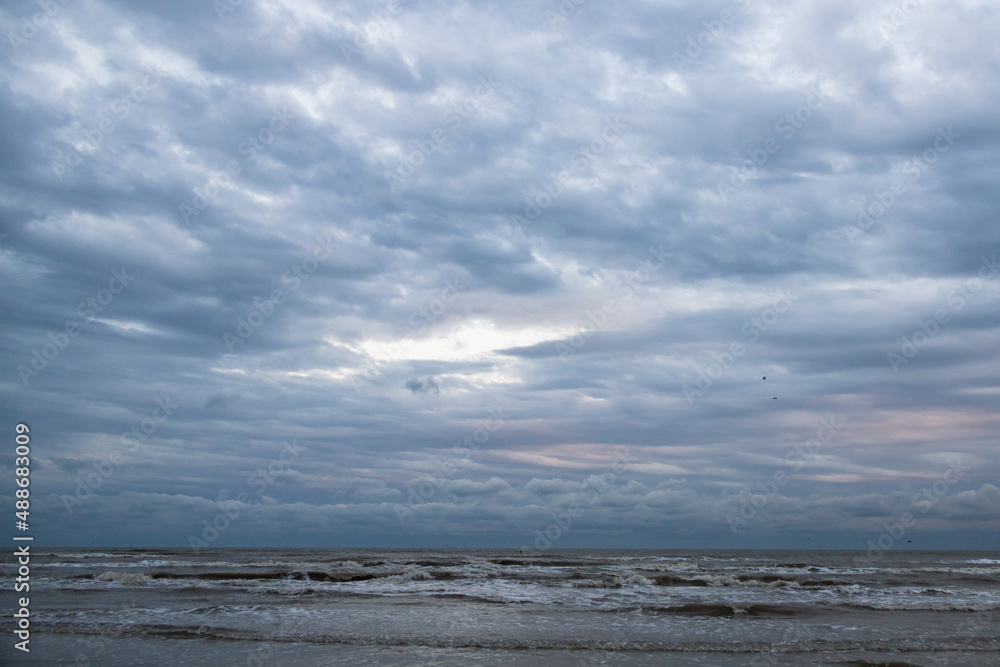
(582, 608)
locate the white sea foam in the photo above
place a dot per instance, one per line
(123, 577)
(415, 574)
(728, 580)
(675, 566)
(632, 580)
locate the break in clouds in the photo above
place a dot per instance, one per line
(474, 274)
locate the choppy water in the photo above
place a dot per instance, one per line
(488, 607)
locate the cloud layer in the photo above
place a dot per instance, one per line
(434, 273)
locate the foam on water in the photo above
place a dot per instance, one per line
(721, 602)
(123, 577)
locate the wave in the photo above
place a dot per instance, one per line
(728, 609)
(921, 605)
(416, 575)
(734, 581)
(535, 562)
(676, 566)
(122, 577)
(141, 563)
(620, 580)
(283, 575)
(96, 554)
(451, 641)
(584, 580)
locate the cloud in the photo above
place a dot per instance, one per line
(806, 150)
(423, 386)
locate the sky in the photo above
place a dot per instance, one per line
(478, 274)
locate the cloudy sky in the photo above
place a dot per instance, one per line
(452, 273)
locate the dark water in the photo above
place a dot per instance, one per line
(493, 607)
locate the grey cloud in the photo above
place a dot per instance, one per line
(426, 386)
(491, 343)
